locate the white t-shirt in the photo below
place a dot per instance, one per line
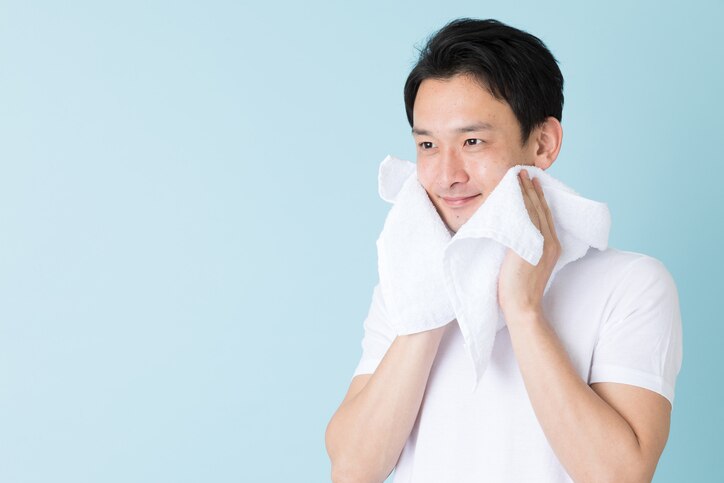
(616, 313)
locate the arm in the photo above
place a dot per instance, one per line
(615, 432)
(366, 434)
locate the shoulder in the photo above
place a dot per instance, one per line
(618, 265)
(616, 257)
(631, 266)
(612, 277)
(637, 284)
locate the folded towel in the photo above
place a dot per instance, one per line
(428, 277)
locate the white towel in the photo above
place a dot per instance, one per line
(429, 277)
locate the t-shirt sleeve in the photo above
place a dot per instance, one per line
(640, 342)
(378, 335)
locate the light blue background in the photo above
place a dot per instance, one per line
(189, 209)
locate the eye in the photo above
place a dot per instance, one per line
(475, 142)
(425, 145)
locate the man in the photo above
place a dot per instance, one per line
(580, 384)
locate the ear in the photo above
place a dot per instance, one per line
(547, 139)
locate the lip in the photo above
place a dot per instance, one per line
(456, 202)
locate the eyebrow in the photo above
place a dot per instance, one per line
(479, 126)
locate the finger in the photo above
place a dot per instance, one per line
(532, 212)
(546, 220)
(535, 202)
(546, 208)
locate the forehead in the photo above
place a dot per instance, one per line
(449, 104)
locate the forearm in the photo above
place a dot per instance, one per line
(592, 440)
(367, 433)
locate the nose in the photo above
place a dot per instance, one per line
(452, 169)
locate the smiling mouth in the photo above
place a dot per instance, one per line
(457, 202)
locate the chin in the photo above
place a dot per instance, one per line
(457, 220)
(456, 225)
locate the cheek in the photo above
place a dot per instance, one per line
(425, 175)
(488, 175)
(482, 170)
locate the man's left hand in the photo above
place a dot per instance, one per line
(520, 284)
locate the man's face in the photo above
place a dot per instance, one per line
(466, 142)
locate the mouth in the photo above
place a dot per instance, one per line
(459, 201)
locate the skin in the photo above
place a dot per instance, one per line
(626, 427)
(455, 158)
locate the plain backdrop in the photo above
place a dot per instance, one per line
(189, 209)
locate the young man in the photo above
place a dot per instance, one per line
(580, 385)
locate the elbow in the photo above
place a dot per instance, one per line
(346, 471)
(636, 471)
(347, 466)
(630, 474)
(615, 472)
(353, 470)
(342, 475)
(643, 476)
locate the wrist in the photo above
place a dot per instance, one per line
(524, 317)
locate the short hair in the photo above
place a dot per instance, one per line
(513, 65)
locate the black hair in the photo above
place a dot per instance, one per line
(511, 64)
